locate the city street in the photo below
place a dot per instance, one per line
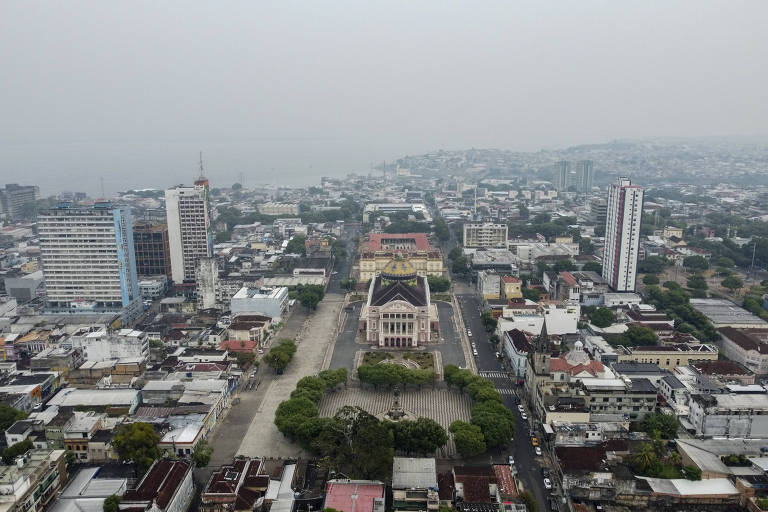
(526, 461)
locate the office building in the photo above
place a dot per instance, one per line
(485, 235)
(622, 235)
(89, 263)
(153, 252)
(189, 228)
(585, 174)
(562, 174)
(13, 198)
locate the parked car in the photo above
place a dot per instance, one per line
(511, 460)
(545, 472)
(547, 483)
(520, 407)
(535, 441)
(537, 450)
(523, 415)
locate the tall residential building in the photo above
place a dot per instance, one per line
(585, 173)
(13, 198)
(189, 228)
(485, 235)
(89, 264)
(622, 235)
(562, 174)
(153, 253)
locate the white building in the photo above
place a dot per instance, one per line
(272, 302)
(489, 284)
(622, 235)
(485, 235)
(741, 415)
(562, 318)
(273, 208)
(102, 346)
(88, 260)
(189, 228)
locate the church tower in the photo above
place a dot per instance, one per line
(542, 352)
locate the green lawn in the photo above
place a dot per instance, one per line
(376, 357)
(424, 359)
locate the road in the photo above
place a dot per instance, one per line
(489, 366)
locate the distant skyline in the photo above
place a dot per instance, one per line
(286, 92)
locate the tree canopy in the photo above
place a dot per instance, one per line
(296, 245)
(602, 317)
(281, 354)
(9, 416)
(137, 442)
(420, 437)
(468, 438)
(112, 503)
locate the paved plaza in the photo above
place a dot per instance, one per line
(262, 436)
(442, 405)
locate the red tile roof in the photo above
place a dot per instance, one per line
(559, 364)
(510, 279)
(419, 239)
(238, 346)
(160, 483)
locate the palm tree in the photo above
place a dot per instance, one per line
(645, 458)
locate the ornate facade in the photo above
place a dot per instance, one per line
(398, 312)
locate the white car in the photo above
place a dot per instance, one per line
(520, 408)
(511, 460)
(523, 415)
(537, 450)
(469, 333)
(547, 483)
(474, 352)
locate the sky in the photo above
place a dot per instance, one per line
(286, 92)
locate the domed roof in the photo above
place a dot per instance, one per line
(578, 345)
(398, 269)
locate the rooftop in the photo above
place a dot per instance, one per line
(353, 495)
(160, 483)
(723, 313)
(377, 240)
(411, 472)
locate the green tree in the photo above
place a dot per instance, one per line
(564, 266)
(529, 501)
(296, 245)
(650, 279)
(422, 436)
(236, 186)
(592, 266)
(468, 438)
(697, 282)
(638, 335)
(454, 253)
(489, 322)
(651, 265)
(348, 283)
(460, 265)
(245, 359)
(660, 425)
(137, 442)
(496, 422)
(112, 503)
(201, 455)
(695, 263)
(13, 451)
(732, 283)
(309, 299)
(438, 284)
(725, 262)
(223, 236)
(9, 416)
(532, 294)
(292, 413)
(602, 317)
(692, 472)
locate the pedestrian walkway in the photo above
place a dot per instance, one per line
(490, 375)
(442, 405)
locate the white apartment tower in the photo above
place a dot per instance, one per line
(89, 264)
(189, 228)
(622, 235)
(485, 235)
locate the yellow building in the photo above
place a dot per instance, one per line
(669, 357)
(511, 287)
(425, 263)
(670, 231)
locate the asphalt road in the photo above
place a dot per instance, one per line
(526, 461)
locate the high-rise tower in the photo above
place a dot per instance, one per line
(189, 228)
(89, 264)
(622, 235)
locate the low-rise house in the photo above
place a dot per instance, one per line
(78, 432)
(746, 346)
(414, 484)
(726, 372)
(355, 495)
(166, 487)
(237, 487)
(115, 401)
(32, 481)
(90, 486)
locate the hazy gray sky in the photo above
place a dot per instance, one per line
(281, 90)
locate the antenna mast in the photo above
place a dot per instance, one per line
(201, 164)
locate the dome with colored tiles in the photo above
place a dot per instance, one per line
(398, 269)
